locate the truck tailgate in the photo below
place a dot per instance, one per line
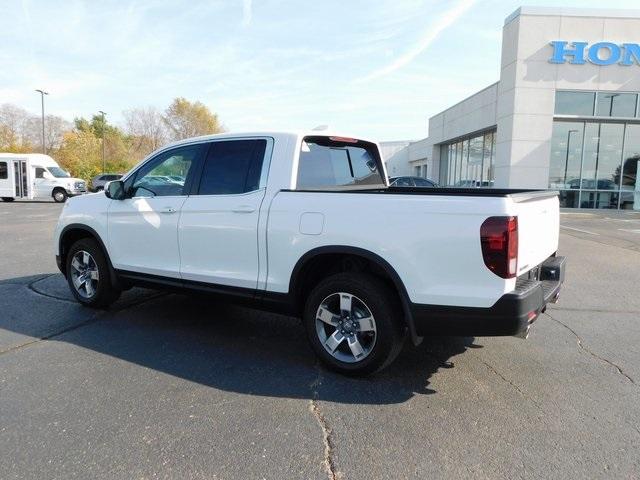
(538, 228)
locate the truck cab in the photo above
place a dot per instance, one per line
(36, 176)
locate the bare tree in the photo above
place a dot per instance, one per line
(14, 127)
(146, 128)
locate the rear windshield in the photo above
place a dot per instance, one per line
(332, 162)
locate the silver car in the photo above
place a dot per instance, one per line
(99, 180)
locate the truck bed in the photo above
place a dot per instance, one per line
(517, 195)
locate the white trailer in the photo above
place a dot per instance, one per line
(36, 176)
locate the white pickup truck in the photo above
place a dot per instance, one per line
(306, 224)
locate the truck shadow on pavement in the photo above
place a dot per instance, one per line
(214, 344)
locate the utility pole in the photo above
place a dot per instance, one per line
(42, 94)
(104, 169)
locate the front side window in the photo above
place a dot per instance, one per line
(40, 172)
(233, 167)
(4, 172)
(166, 174)
(330, 162)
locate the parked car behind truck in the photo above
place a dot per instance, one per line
(306, 224)
(98, 182)
(36, 176)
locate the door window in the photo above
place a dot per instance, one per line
(40, 172)
(232, 167)
(165, 175)
(4, 171)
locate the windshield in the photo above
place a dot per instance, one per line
(58, 172)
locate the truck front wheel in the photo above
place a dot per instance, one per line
(59, 195)
(88, 275)
(354, 323)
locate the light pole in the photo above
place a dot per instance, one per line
(42, 94)
(566, 161)
(103, 129)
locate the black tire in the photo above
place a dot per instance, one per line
(8, 199)
(105, 293)
(59, 195)
(383, 306)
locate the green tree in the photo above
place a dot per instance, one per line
(186, 119)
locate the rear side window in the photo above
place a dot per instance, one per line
(4, 174)
(233, 166)
(332, 162)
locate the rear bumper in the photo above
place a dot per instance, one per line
(512, 314)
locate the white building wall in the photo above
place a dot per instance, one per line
(396, 157)
(528, 82)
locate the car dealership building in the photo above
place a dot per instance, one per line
(564, 114)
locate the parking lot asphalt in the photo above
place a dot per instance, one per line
(169, 386)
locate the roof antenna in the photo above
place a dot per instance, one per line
(321, 128)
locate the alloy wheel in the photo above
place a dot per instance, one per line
(345, 327)
(84, 274)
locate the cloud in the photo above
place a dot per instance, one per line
(246, 13)
(445, 21)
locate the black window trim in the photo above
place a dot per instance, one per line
(264, 172)
(6, 169)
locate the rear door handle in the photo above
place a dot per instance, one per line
(168, 210)
(244, 209)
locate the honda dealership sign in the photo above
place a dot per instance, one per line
(601, 53)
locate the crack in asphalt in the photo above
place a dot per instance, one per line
(89, 321)
(513, 385)
(593, 354)
(327, 434)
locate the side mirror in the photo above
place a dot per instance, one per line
(48, 176)
(115, 190)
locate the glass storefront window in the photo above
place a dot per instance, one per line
(574, 103)
(468, 163)
(602, 156)
(610, 104)
(566, 155)
(630, 161)
(595, 164)
(590, 199)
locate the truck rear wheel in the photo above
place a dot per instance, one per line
(59, 195)
(354, 323)
(8, 199)
(88, 275)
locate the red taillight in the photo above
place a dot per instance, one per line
(499, 239)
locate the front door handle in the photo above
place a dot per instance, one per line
(244, 209)
(168, 210)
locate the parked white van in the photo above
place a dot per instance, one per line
(36, 176)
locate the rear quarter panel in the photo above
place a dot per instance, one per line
(432, 242)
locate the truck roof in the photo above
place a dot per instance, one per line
(269, 133)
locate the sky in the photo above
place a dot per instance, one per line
(376, 69)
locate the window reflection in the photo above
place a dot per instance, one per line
(611, 104)
(574, 103)
(599, 161)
